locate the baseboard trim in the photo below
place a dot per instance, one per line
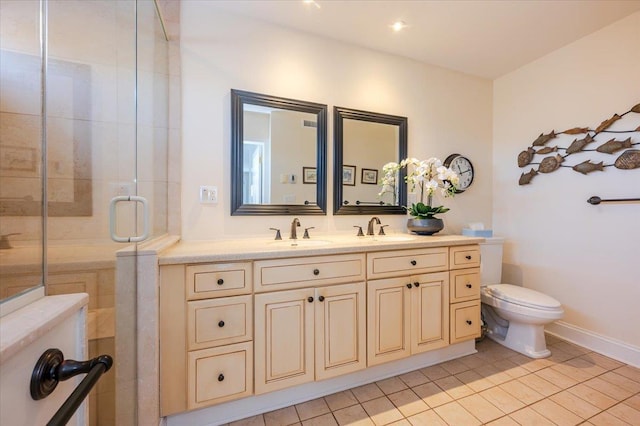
(612, 348)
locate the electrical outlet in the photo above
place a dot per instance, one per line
(208, 194)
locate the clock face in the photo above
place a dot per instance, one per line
(463, 168)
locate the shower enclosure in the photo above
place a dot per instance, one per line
(84, 118)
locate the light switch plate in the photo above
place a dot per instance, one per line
(208, 194)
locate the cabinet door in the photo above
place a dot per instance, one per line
(340, 330)
(283, 339)
(388, 315)
(429, 313)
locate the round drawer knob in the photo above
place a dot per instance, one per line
(469, 322)
(321, 298)
(469, 285)
(221, 324)
(316, 272)
(221, 377)
(414, 263)
(220, 281)
(416, 284)
(409, 285)
(468, 257)
(310, 299)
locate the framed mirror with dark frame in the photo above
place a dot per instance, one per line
(278, 155)
(366, 141)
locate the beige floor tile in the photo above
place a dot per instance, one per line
(504, 421)
(551, 339)
(313, 408)
(455, 415)
(501, 399)
(634, 402)
(493, 374)
(608, 388)
(556, 413)
(454, 387)
(427, 418)
(512, 369)
(324, 420)
(391, 385)
(630, 372)
(432, 395)
(403, 422)
(558, 355)
(474, 380)
(621, 381)
(472, 361)
(408, 402)
(249, 421)
(454, 366)
(575, 404)
(625, 413)
(602, 361)
(540, 385)
(414, 378)
(579, 369)
(529, 417)
(434, 372)
(557, 378)
(340, 400)
(593, 396)
(382, 411)
(354, 415)
(282, 417)
(367, 392)
(606, 419)
(481, 409)
(521, 392)
(570, 348)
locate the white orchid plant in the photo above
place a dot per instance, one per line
(428, 176)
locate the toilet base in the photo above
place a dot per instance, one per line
(528, 339)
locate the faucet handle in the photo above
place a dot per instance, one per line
(4, 240)
(278, 236)
(306, 232)
(360, 233)
(382, 230)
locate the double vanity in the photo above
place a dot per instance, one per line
(243, 319)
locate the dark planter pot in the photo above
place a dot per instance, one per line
(425, 226)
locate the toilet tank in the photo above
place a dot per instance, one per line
(491, 260)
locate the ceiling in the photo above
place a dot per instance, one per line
(479, 37)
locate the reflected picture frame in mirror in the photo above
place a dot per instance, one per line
(241, 99)
(372, 204)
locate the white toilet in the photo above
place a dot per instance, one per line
(514, 316)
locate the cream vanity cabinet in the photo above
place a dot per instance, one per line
(407, 312)
(465, 293)
(206, 333)
(313, 330)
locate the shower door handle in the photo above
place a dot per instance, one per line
(112, 219)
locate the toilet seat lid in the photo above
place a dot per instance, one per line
(522, 296)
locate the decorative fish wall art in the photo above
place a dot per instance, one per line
(603, 140)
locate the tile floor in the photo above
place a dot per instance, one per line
(496, 386)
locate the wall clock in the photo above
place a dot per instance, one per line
(463, 167)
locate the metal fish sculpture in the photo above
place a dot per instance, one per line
(547, 150)
(613, 145)
(525, 178)
(542, 139)
(576, 131)
(630, 159)
(525, 157)
(550, 164)
(606, 123)
(578, 144)
(588, 167)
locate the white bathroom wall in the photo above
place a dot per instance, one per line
(585, 256)
(447, 112)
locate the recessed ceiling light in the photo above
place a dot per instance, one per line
(398, 26)
(313, 2)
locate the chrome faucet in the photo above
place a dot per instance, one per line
(294, 232)
(373, 220)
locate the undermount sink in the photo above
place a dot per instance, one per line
(299, 243)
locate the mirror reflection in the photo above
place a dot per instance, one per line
(278, 155)
(364, 143)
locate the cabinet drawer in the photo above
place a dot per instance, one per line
(465, 285)
(300, 272)
(219, 374)
(464, 257)
(465, 321)
(218, 280)
(221, 321)
(406, 262)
